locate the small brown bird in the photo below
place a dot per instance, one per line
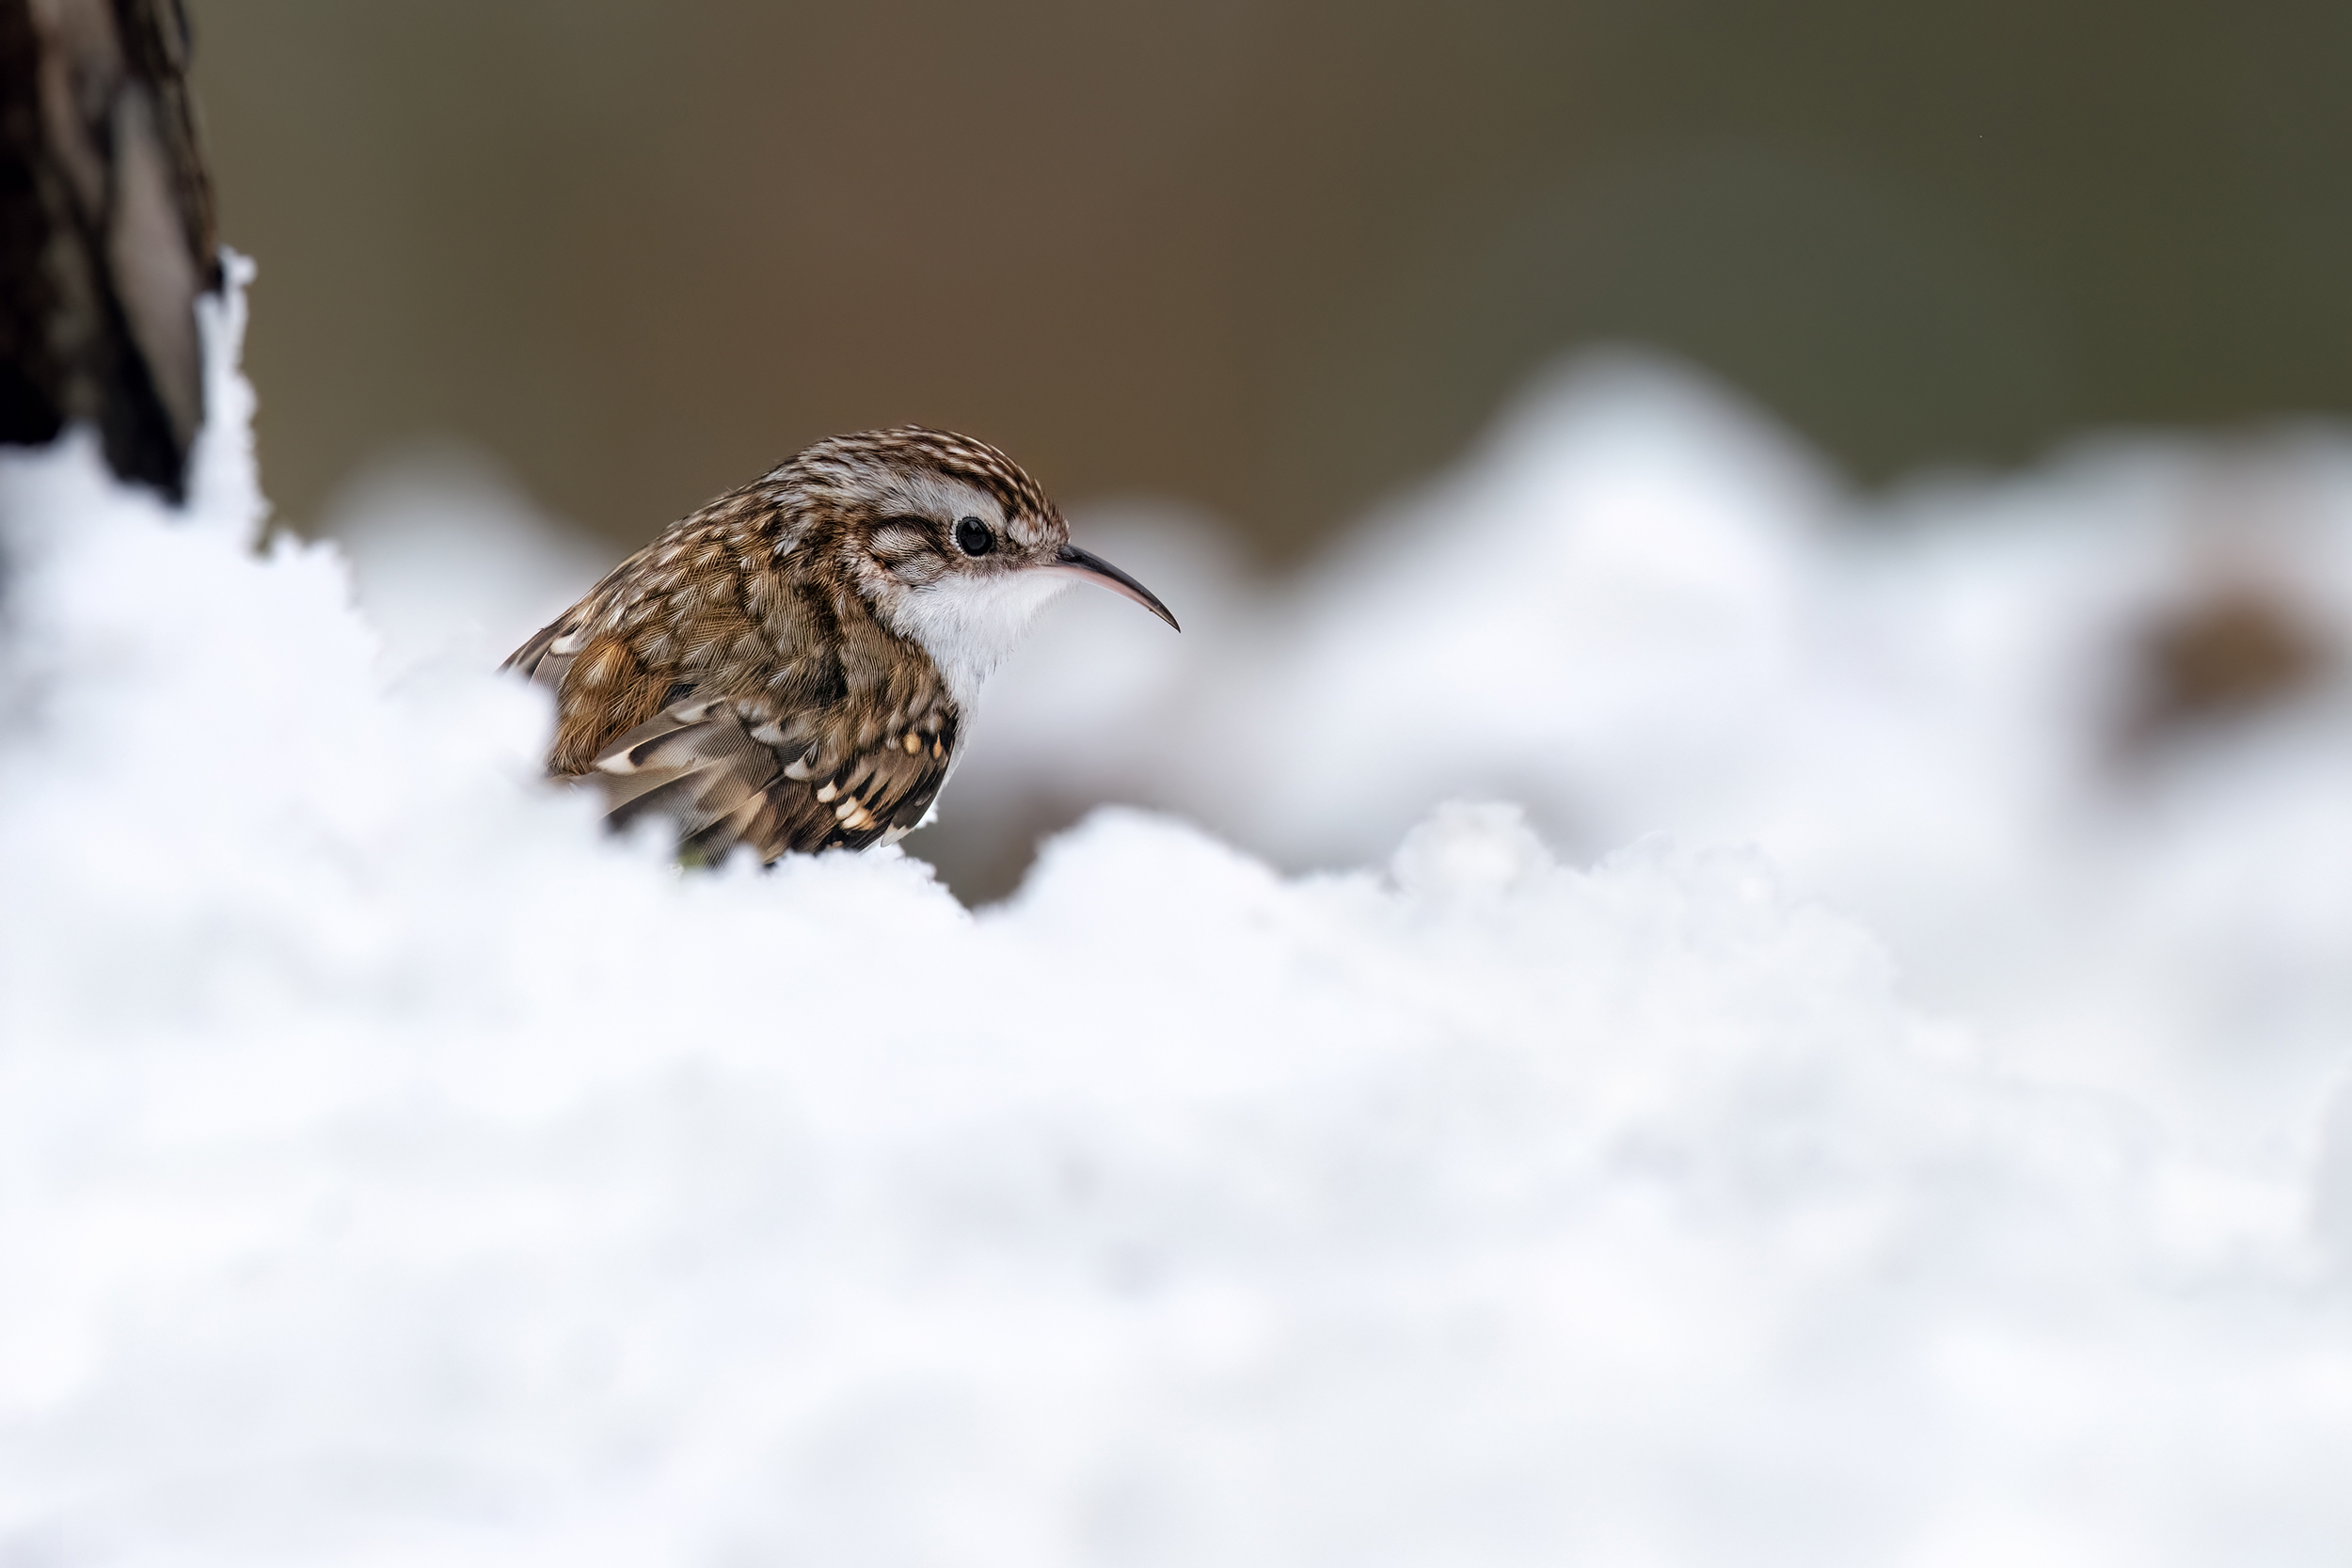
(794, 666)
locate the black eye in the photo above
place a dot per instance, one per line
(975, 537)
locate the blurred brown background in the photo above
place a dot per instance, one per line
(1274, 256)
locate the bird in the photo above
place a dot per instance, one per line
(794, 667)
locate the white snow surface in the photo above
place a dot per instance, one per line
(396, 1169)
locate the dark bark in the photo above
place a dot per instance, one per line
(105, 231)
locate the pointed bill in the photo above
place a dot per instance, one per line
(1093, 567)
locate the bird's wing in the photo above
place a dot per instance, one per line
(711, 765)
(690, 686)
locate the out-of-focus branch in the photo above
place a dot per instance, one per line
(105, 231)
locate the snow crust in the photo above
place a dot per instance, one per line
(394, 1169)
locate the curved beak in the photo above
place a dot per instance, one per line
(1093, 567)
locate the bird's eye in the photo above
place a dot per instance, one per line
(975, 537)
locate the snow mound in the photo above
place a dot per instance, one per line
(396, 1169)
(1639, 608)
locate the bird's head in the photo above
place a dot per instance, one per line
(954, 546)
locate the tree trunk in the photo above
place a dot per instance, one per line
(105, 231)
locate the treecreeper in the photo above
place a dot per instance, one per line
(795, 666)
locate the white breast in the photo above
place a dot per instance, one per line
(969, 624)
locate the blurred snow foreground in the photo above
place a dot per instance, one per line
(398, 1170)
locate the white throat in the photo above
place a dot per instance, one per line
(968, 625)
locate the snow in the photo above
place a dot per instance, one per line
(1639, 608)
(1876, 1129)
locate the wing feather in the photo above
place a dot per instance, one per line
(697, 763)
(751, 707)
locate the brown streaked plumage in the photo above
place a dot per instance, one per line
(792, 666)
